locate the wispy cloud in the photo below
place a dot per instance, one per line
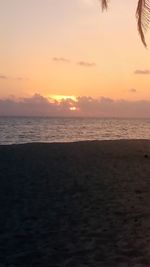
(3, 77)
(22, 79)
(142, 72)
(86, 64)
(19, 78)
(61, 59)
(79, 63)
(132, 90)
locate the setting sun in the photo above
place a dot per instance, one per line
(73, 108)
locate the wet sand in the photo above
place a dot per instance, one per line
(84, 204)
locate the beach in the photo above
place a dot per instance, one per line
(81, 204)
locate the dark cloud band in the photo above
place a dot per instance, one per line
(38, 105)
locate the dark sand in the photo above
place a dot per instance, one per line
(83, 204)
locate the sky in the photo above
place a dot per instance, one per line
(66, 52)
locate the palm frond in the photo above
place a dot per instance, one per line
(104, 4)
(142, 15)
(143, 18)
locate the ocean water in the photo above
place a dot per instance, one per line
(16, 130)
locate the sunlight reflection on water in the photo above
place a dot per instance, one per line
(24, 130)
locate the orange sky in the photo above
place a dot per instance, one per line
(69, 47)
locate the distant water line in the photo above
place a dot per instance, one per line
(16, 130)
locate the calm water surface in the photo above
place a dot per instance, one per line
(24, 130)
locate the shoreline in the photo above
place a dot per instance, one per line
(79, 141)
(79, 204)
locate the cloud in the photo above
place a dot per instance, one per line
(142, 72)
(80, 63)
(19, 78)
(3, 77)
(132, 90)
(38, 105)
(107, 107)
(61, 59)
(86, 64)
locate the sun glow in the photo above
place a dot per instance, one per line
(59, 98)
(73, 108)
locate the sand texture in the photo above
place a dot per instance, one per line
(84, 204)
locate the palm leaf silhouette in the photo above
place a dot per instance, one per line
(104, 4)
(142, 15)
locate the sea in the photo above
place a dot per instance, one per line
(18, 130)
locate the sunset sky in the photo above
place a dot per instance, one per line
(69, 48)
